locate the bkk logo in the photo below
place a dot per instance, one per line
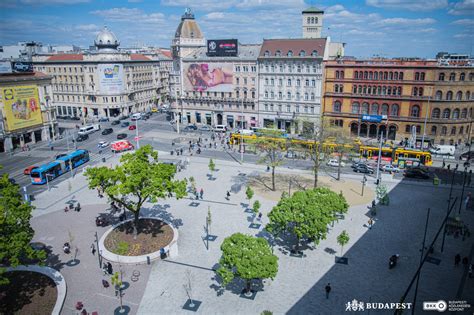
(358, 306)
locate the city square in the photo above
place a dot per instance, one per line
(221, 176)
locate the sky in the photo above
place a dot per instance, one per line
(386, 28)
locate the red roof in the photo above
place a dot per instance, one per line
(139, 57)
(66, 57)
(167, 53)
(295, 45)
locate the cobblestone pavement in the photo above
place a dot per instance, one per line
(299, 285)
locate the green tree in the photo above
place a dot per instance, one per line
(249, 193)
(212, 166)
(343, 239)
(306, 214)
(256, 206)
(271, 147)
(16, 232)
(248, 258)
(138, 178)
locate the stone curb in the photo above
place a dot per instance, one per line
(171, 248)
(56, 276)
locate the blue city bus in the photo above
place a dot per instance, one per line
(58, 167)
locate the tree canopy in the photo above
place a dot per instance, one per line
(306, 214)
(139, 177)
(16, 232)
(248, 258)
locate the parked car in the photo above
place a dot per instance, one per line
(390, 168)
(362, 168)
(205, 128)
(28, 170)
(115, 122)
(103, 144)
(75, 118)
(121, 136)
(335, 163)
(107, 131)
(132, 127)
(416, 173)
(103, 119)
(357, 163)
(154, 110)
(125, 124)
(220, 128)
(190, 128)
(82, 138)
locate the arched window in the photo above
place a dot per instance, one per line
(308, 20)
(435, 113)
(312, 97)
(289, 82)
(390, 76)
(384, 109)
(266, 94)
(355, 108)
(395, 76)
(394, 110)
(379, 90)
(438, 95)
(376, 75)
(384, 90)
(374, 109)
(415, 111)
(365, 108)
(471, 76)
(446, 113)
(371, 75)
(441, 76)
(312, 20)
(458, 96)
(452, 76)
(464, 113)
(369, 90)
(290, 53)
(315, 20)
(468, 96)
(389, 90)
(356, 74)
(462, 76)
(306, 83)
(433, 131)
(278, 53)
(342, 74)
(365, 89)
(337, 74)
(415, 91)
(453, 131)
(360, 89)
(444, 130)
(417, 76)
(266, 53)
(449, 96)
(456, 113)
(354, 89)
(461, 130)
(298, 82)
(314, 53)
(399, 90)
(288, 95)
(470, 112)
(306, 96)
(337, 107)
(302, 53)
(400, 76)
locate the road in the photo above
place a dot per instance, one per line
(156, 131)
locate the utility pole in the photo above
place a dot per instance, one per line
(424, 126)
(241, 129)
(177, 109)
(138, 138)
(378, 160)
(364, 181)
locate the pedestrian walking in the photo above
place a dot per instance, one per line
(465, 261)
(201, 193)
(328, 290)
(181, 151)
(105, 269)
(228, 195)
(371, 222)
(457, 260)
(467, 200)
(444, 164)
(260, 216)
(449, 167)
(93, 249)
(110, 270)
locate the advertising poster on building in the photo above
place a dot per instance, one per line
(5, 67)
(111, 80)
(208, 77)
(222, 47)
(21, 106)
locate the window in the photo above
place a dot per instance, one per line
(415, 111)
(449, 96)
(337, 107)
(453, 130)
(266, 94)
(354, 89)
(464, 113)
(271, 107)
(288, 95)
(278, 53)
(289, 82)
(306, 83)
(298, 68)
(446, 113)
(314, 53)
(441, 76)
(290, 53)
(435, 113)
(438, 95)
(390, 76)
(444, 130)
(302, 53)
(365, 108)
(272, 82)
(365, 75)
(415, 91)
(280, 95)
(298, 96)
(452, 76)
(313, 82)
(385, 75)
(297, 108)
(356, 74)
(462, 76)
(288, 108)
(280, 82)
(456, 113)
(337, 74)
(266, 107)
(306, 109)
(417, 76)
(420, 91)
(384, 109)
(342, 74)
(305, 96)
(266, 81)
(374, 109)
(458, 96)
(355, 108)
(298, 82)
(471, 76)
(312, 96)
(433, 130)
(422, 76)
(371, 75)
(376, 75)
(407, 128)
(468, 95)
(394, 110)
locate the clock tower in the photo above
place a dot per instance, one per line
(312, 22)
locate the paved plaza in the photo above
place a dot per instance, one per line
(299, 285)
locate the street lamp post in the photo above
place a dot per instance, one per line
(424, 126)
(138, 138)
(177, 109)
(379, 158)
(463, 187)
(241, 128)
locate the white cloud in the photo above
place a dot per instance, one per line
(464, 7)
(53, 2)
(134, 1)
(465, 22)
(87, 27)
(464, 35)
(133, 15)
(405, 22)
(412, 5)
(212, 5)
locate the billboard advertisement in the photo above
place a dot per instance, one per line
(111, 80)
(5, 67)
(18, 66)
(21, 106)
(222, 47)
(208, 77)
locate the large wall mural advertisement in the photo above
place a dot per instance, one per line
(21, 106)
(208, 77)
(111, 80)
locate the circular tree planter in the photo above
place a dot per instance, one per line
(159, 237)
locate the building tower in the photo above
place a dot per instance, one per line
(312, 22)
(106, 41)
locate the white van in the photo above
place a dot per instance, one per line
(88, 129)
(443, 150)
(220, 128)
(245, 132)
(136, 116)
